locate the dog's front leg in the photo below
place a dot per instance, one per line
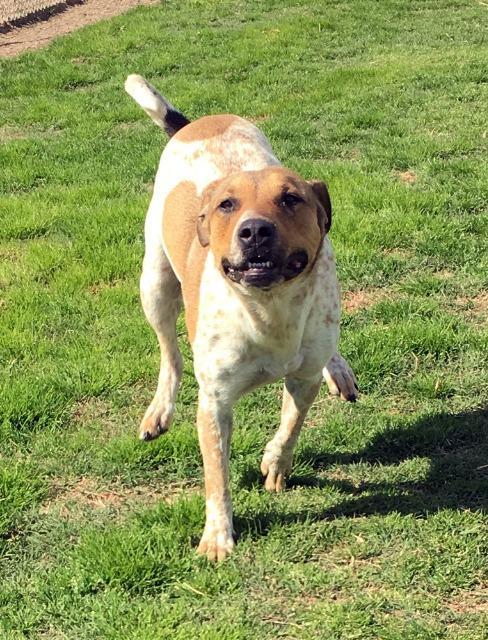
(214, 421)
(298, 395)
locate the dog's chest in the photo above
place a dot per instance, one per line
(273, 366)
(240, 344)
(234, 353)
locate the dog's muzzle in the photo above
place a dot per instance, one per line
(263, 262)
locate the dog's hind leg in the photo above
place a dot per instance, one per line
(340, 378)
(298, 395)
(161, 300)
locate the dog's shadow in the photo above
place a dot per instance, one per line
(456, 446)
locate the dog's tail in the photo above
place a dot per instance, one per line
(155, 105)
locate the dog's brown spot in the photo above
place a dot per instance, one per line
(213, 341)
(181, 210)
(206, 127)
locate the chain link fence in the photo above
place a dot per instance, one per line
(19, 11)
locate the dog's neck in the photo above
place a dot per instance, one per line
(278, 312)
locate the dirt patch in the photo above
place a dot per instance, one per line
(353, 301)
(474, 309)
(257, 119)
(444, 274)
(136, 125)
(353, 155)
(407, 177)
(398, 253)
(90, 409)
(103, 420)
(9, 133)
(38, 34)
(87, 493)
(471, 602)
(99, 287)
(480, 304)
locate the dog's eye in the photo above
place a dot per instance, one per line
(227, 205)
(290, 200)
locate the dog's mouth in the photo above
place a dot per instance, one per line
(263, 272)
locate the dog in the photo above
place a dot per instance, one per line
(244, 243)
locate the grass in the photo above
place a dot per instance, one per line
(383, 532)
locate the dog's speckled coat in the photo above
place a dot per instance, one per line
(243, 335)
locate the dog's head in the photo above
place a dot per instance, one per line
(264, 227)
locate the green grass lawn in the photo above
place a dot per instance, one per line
(383, 531)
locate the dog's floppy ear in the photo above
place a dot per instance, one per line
(203, 222)
(203, 227)
(324, 209)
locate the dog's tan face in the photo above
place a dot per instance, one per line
(264, 227)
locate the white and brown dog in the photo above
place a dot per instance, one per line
(244, 242)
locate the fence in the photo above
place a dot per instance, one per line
(21, 11)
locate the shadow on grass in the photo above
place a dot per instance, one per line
(456, 445)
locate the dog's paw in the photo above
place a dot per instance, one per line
(216, 545)
(275, 467)
(156, 421)
(340, 378)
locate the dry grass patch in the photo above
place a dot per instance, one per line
(470, 602)
(98, 287)
(257, 119)
(354, 155)
(353, 301)
(399, 253)
(134, 125)
(90, 409)
(407, 177)
(10, 133)
(88, 493)
(474, 308)
(480, 304)
(104, 422)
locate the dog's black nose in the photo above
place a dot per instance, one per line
(256, 232)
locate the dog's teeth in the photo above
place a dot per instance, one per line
(259, 265)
